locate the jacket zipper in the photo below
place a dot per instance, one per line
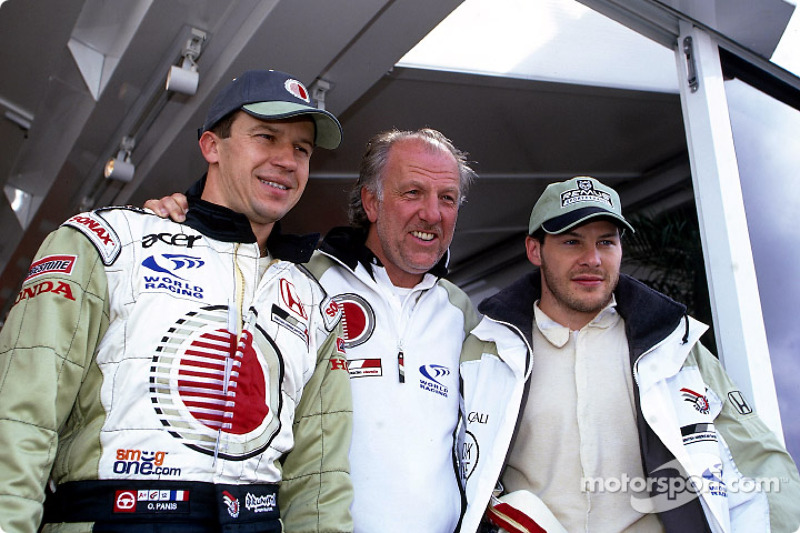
(401, 369)
(401, 358)
(234, 326)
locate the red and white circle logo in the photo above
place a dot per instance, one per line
(358, 319)
(297, 89)
(203, 384)
(245, 383)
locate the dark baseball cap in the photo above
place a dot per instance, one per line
(273, 95)
(566, 204)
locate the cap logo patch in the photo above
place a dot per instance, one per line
(297, 89)
(585, 193)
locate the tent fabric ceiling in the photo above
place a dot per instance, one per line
(520, 134)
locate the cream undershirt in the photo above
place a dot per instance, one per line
(580, 422)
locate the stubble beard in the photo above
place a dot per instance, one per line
(571, 300)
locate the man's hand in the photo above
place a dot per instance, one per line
(174, 207)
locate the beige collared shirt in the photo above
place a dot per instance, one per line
(578, 430)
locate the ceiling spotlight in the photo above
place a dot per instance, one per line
(120, 167)
(318, 90)
(22, 204)
(184, 78)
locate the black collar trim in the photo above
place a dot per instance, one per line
(649, 315)
(226, 225)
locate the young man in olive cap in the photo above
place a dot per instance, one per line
(173, 377)
(590, 398)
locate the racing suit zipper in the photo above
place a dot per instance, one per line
(401, 357)
(390, 298)
(239, 304)
(234, 326)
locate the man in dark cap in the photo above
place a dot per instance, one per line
(590, 398)
(175, 377)
(404, 326)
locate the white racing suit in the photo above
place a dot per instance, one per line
(155, 376)
(403, 354)
(693, 423)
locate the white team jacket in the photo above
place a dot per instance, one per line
(401, 456)
(685, 399)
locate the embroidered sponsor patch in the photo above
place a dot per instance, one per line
(297, 89)
(52, 264)
(136, 462)
(163, 495)
(432, 374)
(179, 240)
(282, 317)
(177, 287)
(291, 299)
(468, 455)
(245, 503)
(699, 401)
(56, 288)
(739, 403)
(100, 233)
(171, 264)
(358, 319)
(231, 503)
(360, 368)
(585, 193)
(168, 273)
(331, 313)
(155, 501)
(475, 417)
(260, 504)
(712, 478)
(338, 363)
(125, 501)
(698, 432)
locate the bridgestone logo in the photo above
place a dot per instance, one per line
(61, 264)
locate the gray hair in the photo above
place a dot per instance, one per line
(374, 162)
